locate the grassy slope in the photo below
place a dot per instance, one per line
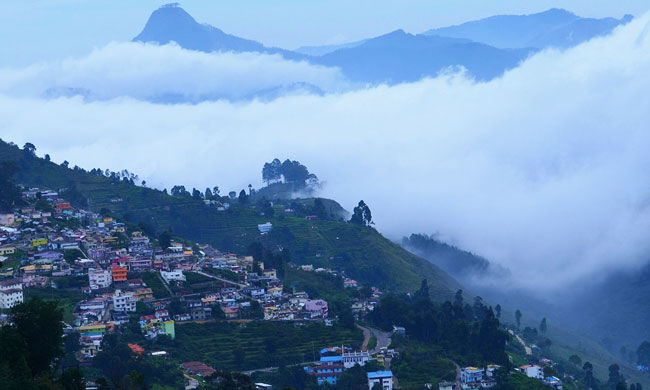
(363, 253)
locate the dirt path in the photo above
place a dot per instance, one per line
(528, 350)
(383, 338)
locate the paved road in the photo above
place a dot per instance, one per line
(383, 338)
(220, 279)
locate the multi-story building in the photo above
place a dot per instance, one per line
(99, 278)
(350, 359)
(119, 274)
(383, 378)
(11, 293)
(123, 301)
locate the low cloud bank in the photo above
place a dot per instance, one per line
(169, 74)
(544, 171)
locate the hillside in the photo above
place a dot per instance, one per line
(551, 28)
(363, 253)
(401, 57)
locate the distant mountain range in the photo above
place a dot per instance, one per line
(485, 48)
(553, 28)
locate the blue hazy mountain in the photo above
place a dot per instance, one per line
(401, 57)
(552, 28)
(171, 23)
(324, 49)
(392, 58)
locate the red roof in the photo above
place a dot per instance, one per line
(136, 348)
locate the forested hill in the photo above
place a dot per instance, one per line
(361, 252)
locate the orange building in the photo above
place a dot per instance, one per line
(119, 274)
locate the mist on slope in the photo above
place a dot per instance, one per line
(543, 171)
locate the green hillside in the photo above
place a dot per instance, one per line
(363, 253)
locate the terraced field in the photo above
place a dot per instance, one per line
(258, 344)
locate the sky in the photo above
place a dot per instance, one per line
(37, 30)
(543, 170)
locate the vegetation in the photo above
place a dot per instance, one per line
(361, 252)
(155, 283)
(468, 334)
(257, 344)
(420, 363)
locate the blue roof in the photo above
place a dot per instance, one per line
(379, 374)
(331, 359)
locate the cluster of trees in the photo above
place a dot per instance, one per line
(470, 332)
(211, 194)
(361, 215)
(31, 349)
(10, 193)
(292, 172)
(643, 354)
(270, 259)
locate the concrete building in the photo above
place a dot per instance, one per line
(176, 274)
(99, 278)
(383, 378)
(123, 301)
(350, 359)
(471, 375)
(11, 293)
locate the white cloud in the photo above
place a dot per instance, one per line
(545, 170)
(152, 72)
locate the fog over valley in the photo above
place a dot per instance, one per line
(543, 170)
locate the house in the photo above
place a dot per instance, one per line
(176, 274)
(270, 273)
(119, 274)
(532, 371)
(7, 250)
(123, 301)
(136, 348)
(99, 278)
(383, 378)
(471, 375)
(444, 385)
(11, 293)
(350, 283)
(350, 359)
(265, 227)
(198, 368)
(7, 219)
(329, 369)
(317, 308)
(553, 382)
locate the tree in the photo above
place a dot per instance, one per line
(39, 324)
(208, 193)
(319, 209)
(165, 239)
(10, 196)
(588, 369)
(47, 157)
(518, 318)
(575, 360)
(72, 379)
(271, 171)
(29, 149)
(615, 376)
(65, 164)
(643, 354)
(196, 194)
(361, 215)
(423, 292)
(497, 310)
(243, 198)
(542, 326)
(215, 191)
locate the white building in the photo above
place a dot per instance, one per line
(532, 371)
(123, 301)
(99, 278)
(384, 378)
(176, 274)
(352, 358)
(11, 293)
